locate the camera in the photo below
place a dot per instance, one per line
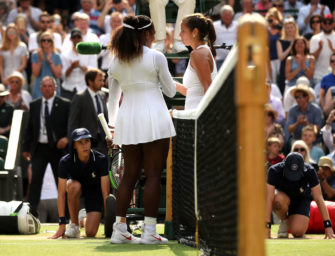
(116, 1)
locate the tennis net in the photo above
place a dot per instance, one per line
(205, 168)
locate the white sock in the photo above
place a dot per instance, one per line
(150, 224)
(121, 226)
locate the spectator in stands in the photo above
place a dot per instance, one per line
(303, 113)
(157, 13)
(322, 46)
(21, 25)
(327, 82)
(290, 185)
(301, 147)
(13, 53)
(226, 32)
(44, 22)
(201, 68)
(279, 4)
(87, 104)
(273, 147)
(327, 134)
(142, 126)
(276, 104)
(263, 6)
(45, 136)
(284, 47)
(82, 172)
(87, 7)
(18, 97)
(273, 129)
(275, 20)
(300, 63)
(247, 7)
(315, 24)
(308, 135)
(292, 7)
(45, 62)
(82, 23)
(32, 14)
(110, 7)
(307, 11)
(327, 178)
(4, 11)
(74, 67)
(6, 111)
(56, 25)
(115, 22)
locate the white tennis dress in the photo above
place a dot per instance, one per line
(143, 115)
(195, 90)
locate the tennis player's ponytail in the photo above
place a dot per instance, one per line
(211, 36)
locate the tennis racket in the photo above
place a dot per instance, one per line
(117, 167)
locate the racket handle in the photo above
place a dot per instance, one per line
(104, 125)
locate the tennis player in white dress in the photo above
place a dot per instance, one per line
(142, 123)
(201, 69)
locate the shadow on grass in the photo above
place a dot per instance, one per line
(177, 249)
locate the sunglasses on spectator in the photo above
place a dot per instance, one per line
(332, 61)
(45, 21)
(46, 40)
(299, 150)
(328, 22)
(11, 32)
(76, 37)
(14, 81)
(316, 21)
(278, 5)
(300, 97)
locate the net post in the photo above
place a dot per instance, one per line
(251, 97)
(168, 227)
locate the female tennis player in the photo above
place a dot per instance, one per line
(143, 124)
(196, 29)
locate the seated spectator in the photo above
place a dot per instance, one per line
(247, 7)
(273, 129)
(44, 21)
(6, 111)
(300, 63)
(21, 24)
(226, 32)
(303, 113)
(307, 11)
(74, 67)
(87, 7)
(4, 11)
(276, 104)
(13, 54)
(328, 81)
(273, 156)
(301, 147)
(263, 6)
(45, 62)
(18, 97)
(57, 26)
(327, 177)
(32, 13)
(289, 190)
(279, 4)
(315, 24)
(292, 8)
(327, 134)
(309, 137)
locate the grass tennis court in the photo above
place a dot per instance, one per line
(312, 245)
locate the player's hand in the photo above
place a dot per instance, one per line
(62, 143)
(27, 156)
(60, 232)
(329, 233)
(109, 143)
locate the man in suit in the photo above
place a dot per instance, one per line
(45, 137)
(86, 106)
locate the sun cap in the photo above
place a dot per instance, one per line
(80, 133)
(294, 166)
(325, 161)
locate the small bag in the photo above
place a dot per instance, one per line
(15, 218)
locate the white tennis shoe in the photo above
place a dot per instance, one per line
(72, 231)
(119, 237)
(283, 229)
(152, 238)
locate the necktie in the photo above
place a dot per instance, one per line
(98, 104)
(48, 124)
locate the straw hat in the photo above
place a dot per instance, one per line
(268, 108)
(16, 74)
(3, 91)
(304, 88)
(326, 162)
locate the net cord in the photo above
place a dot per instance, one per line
(225, 70)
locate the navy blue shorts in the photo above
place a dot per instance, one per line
(93, 201)
(299, 206)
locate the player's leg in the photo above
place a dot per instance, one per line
(73, 189)
(92, 223)
(299, 216)
(280, 207)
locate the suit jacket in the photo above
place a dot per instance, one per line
(83, 113)
(59, 120)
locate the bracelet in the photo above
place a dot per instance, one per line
(327, 224)
(62, 220)
(268, 224)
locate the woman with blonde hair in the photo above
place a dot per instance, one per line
(290, 31)
(45, 62)
(301, 147)
(13, 53)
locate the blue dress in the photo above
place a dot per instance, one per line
(294, 66)
(45, 71)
